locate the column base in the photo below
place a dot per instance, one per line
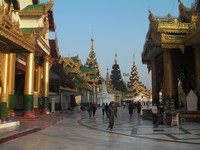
(46, 111)
(29, 114)
(3, 121)
(37, 110)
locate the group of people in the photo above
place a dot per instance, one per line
(92, 110)
(132, 105)
(111, 112)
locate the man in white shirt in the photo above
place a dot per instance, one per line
(154, 110)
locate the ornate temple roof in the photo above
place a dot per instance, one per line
(12, 35)
(58, 75)
(170, 32)
(84, 76)
(37, 9)
(92, 61)
(135, 86)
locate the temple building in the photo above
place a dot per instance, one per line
(135, 89)
(94, 78)
(172, 54)
(25, 56)
(86, 76)
(117, 95)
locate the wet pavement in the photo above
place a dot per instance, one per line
(28, 126)
(74, 130)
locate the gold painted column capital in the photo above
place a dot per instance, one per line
(47, 58)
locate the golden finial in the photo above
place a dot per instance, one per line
(115, 58)
(107, 75)
(92, 44)
(133, 59)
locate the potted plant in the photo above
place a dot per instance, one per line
(169, 109)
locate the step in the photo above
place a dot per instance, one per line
(9, 124)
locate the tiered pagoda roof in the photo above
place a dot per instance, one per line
(92, 61)
(109, 86)
(136, 88)
(84, 76)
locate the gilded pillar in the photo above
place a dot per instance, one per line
(155, 92)
(4, 90)
(38, 86)
(38, 79)
(168, 81)
(28, 88)
(197, 73)
(45, 88)
(11, 82)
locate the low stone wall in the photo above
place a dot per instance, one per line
(190, 116)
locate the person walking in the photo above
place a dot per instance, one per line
(94, 108)
(90, 110)
(130, 108)
(139, 106)
(161, 114)
(103, 109)
(106, 109)
(112, 113)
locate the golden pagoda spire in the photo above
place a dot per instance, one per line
(115, 58)
(133, 59)
(92, 44)
(92, 61)
(107, 75)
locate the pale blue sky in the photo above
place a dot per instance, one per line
(118, 26)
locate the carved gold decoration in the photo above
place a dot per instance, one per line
(44, 47)
(174, 26)
(11, 31)
(168, 38)
(172, 46)
(69, 62)
(87, 78)
(38, 12)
